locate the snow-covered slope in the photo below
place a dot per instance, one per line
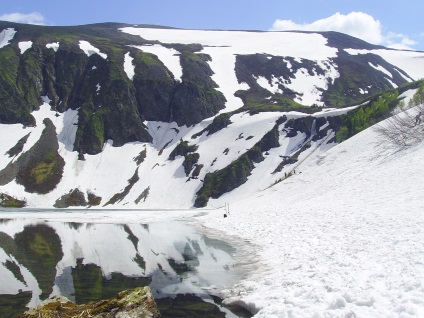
(340, 238)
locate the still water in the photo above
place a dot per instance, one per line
(89, 261)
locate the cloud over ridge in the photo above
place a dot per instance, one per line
(30, 18)
(358, 24)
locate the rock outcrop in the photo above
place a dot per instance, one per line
(134, 303)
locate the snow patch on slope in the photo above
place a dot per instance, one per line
(6, 36)
(90, 49)
(169, 57)
(224, 46)
(23, 46)
(54, 46)
(129, 66)
(381, 69)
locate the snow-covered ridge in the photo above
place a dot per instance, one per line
(90, 49)
(6, 36)
(224, 46)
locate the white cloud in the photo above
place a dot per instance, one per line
(30, 18)
(357, 24)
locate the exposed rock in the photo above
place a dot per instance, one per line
(118, 197)
(219, 122)
(135, 303)
(7, 201)
(182, 149)
(189, 161)
(74, 198)
(17, 149)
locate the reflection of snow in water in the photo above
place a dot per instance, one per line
(163, 246)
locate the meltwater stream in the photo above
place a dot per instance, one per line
(90, 261)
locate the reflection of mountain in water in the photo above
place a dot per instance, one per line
(87, 261)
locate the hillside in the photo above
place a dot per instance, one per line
(113, 115)
(341, 238)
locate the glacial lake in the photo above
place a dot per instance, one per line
(86, 261)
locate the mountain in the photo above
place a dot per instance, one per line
(117, 115)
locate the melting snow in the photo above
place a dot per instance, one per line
(338, 239)
(23, 46)
(6, 36)
(54, 46)
(90, 50)
(129, 66)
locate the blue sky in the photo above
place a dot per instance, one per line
(392, 23)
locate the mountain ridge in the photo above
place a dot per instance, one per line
(115, 92)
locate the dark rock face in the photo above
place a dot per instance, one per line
(196, 97)
(111, 106)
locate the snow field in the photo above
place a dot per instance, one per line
(342, 239)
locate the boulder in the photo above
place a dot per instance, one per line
(134, 303)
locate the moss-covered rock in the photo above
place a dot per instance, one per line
(8, 201)
(135, 303)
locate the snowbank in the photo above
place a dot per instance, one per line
(341, 239)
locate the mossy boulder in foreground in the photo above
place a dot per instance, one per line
(137, 303)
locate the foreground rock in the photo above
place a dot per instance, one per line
(137, 303)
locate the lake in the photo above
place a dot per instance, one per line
(92, 258)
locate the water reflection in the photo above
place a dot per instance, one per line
(89, 261)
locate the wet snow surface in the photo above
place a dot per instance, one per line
(342, 239)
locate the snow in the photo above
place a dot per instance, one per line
(90, 49)
(409, 61)
(271, 87)
(339, 239)
(129, 66)
(6, 36)
(224, 46)
(54, 46)
(23, 46)
(381, 69)
(169, 57)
